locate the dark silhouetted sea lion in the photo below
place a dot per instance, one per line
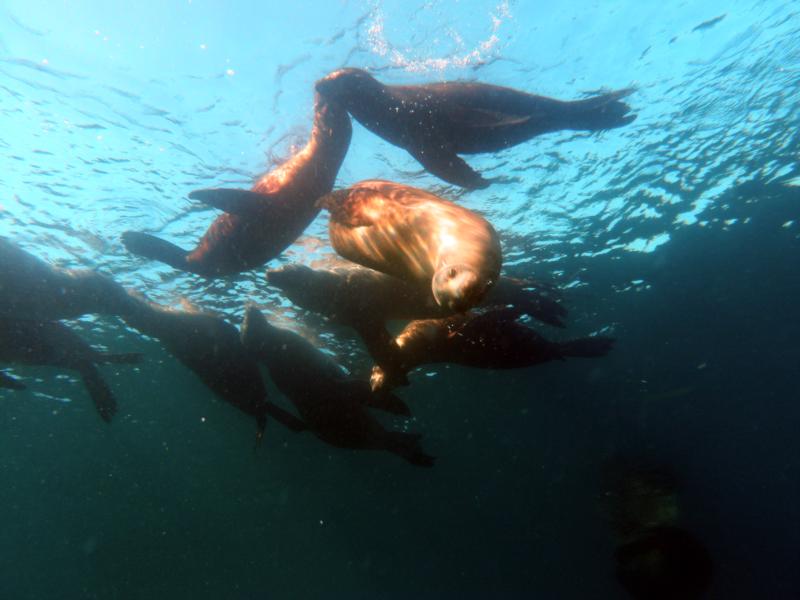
(490, 340)
(30, 288)
(333, 410)
(210, 346)
(416, 236)
(665, 563)
(260, 224)
(53, 344)
(351, 294)
(438, 121)
(656, 559)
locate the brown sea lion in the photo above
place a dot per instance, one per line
(261, 223)
(350, 294)
(490, 340)
(438, 121)
(30, 288)
(333, 409)
(53, 344)
(210, 346)
(414, 235)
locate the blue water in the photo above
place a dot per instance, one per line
(677, 234)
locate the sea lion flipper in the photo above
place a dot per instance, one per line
(233, 201)
(99, 391)
(481, 118)
(386, 402)
(588, 347)
(149, 246)
(6, 381)
(408, 446)
(285, 418)
(447, 165)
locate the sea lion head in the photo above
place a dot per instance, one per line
(459, 287)
(346, 85)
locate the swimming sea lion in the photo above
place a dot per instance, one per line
(665, 563)
(349, 294)
(260, 224)
(416, 236)
(333, 409)
(435, 122)
(491, 340)
(53, 344)
(30, 288)
(210, 346)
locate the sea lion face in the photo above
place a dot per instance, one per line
(459, 287)
(346, 85)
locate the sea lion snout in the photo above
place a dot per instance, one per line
(458, 287)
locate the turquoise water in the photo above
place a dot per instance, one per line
(677, 234)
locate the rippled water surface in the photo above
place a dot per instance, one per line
(677, 234)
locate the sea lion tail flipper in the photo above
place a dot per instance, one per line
(450, 167)
(129, 358)
(605, 111)
(149, 246)
(408, 446)
(99, 391)
(285, 418)
(6, 381)
(587, 347)
(233, 201)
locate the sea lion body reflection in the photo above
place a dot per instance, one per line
(417, 236)
(53, 344)
(333, 410)
(261, 223)
(491, 340)
(435, 122)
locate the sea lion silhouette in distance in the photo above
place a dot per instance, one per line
(436, 122)
(261, 223)
(490, 340)
(30, 288)
(333, 411)
(417, 236)
(53, 344)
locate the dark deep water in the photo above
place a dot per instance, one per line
(171, 501)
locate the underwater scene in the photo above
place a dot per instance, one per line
(400, 299)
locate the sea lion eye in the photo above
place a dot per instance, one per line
(451, 272)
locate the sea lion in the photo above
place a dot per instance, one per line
(435, 122)
(333, 409)
(665, 563)
(210, 346)
(490, 340)
(349, 294)
(261, 223)
(30, 288)
(53, 344)
(417, 236)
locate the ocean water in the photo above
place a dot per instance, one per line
(678, 234)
